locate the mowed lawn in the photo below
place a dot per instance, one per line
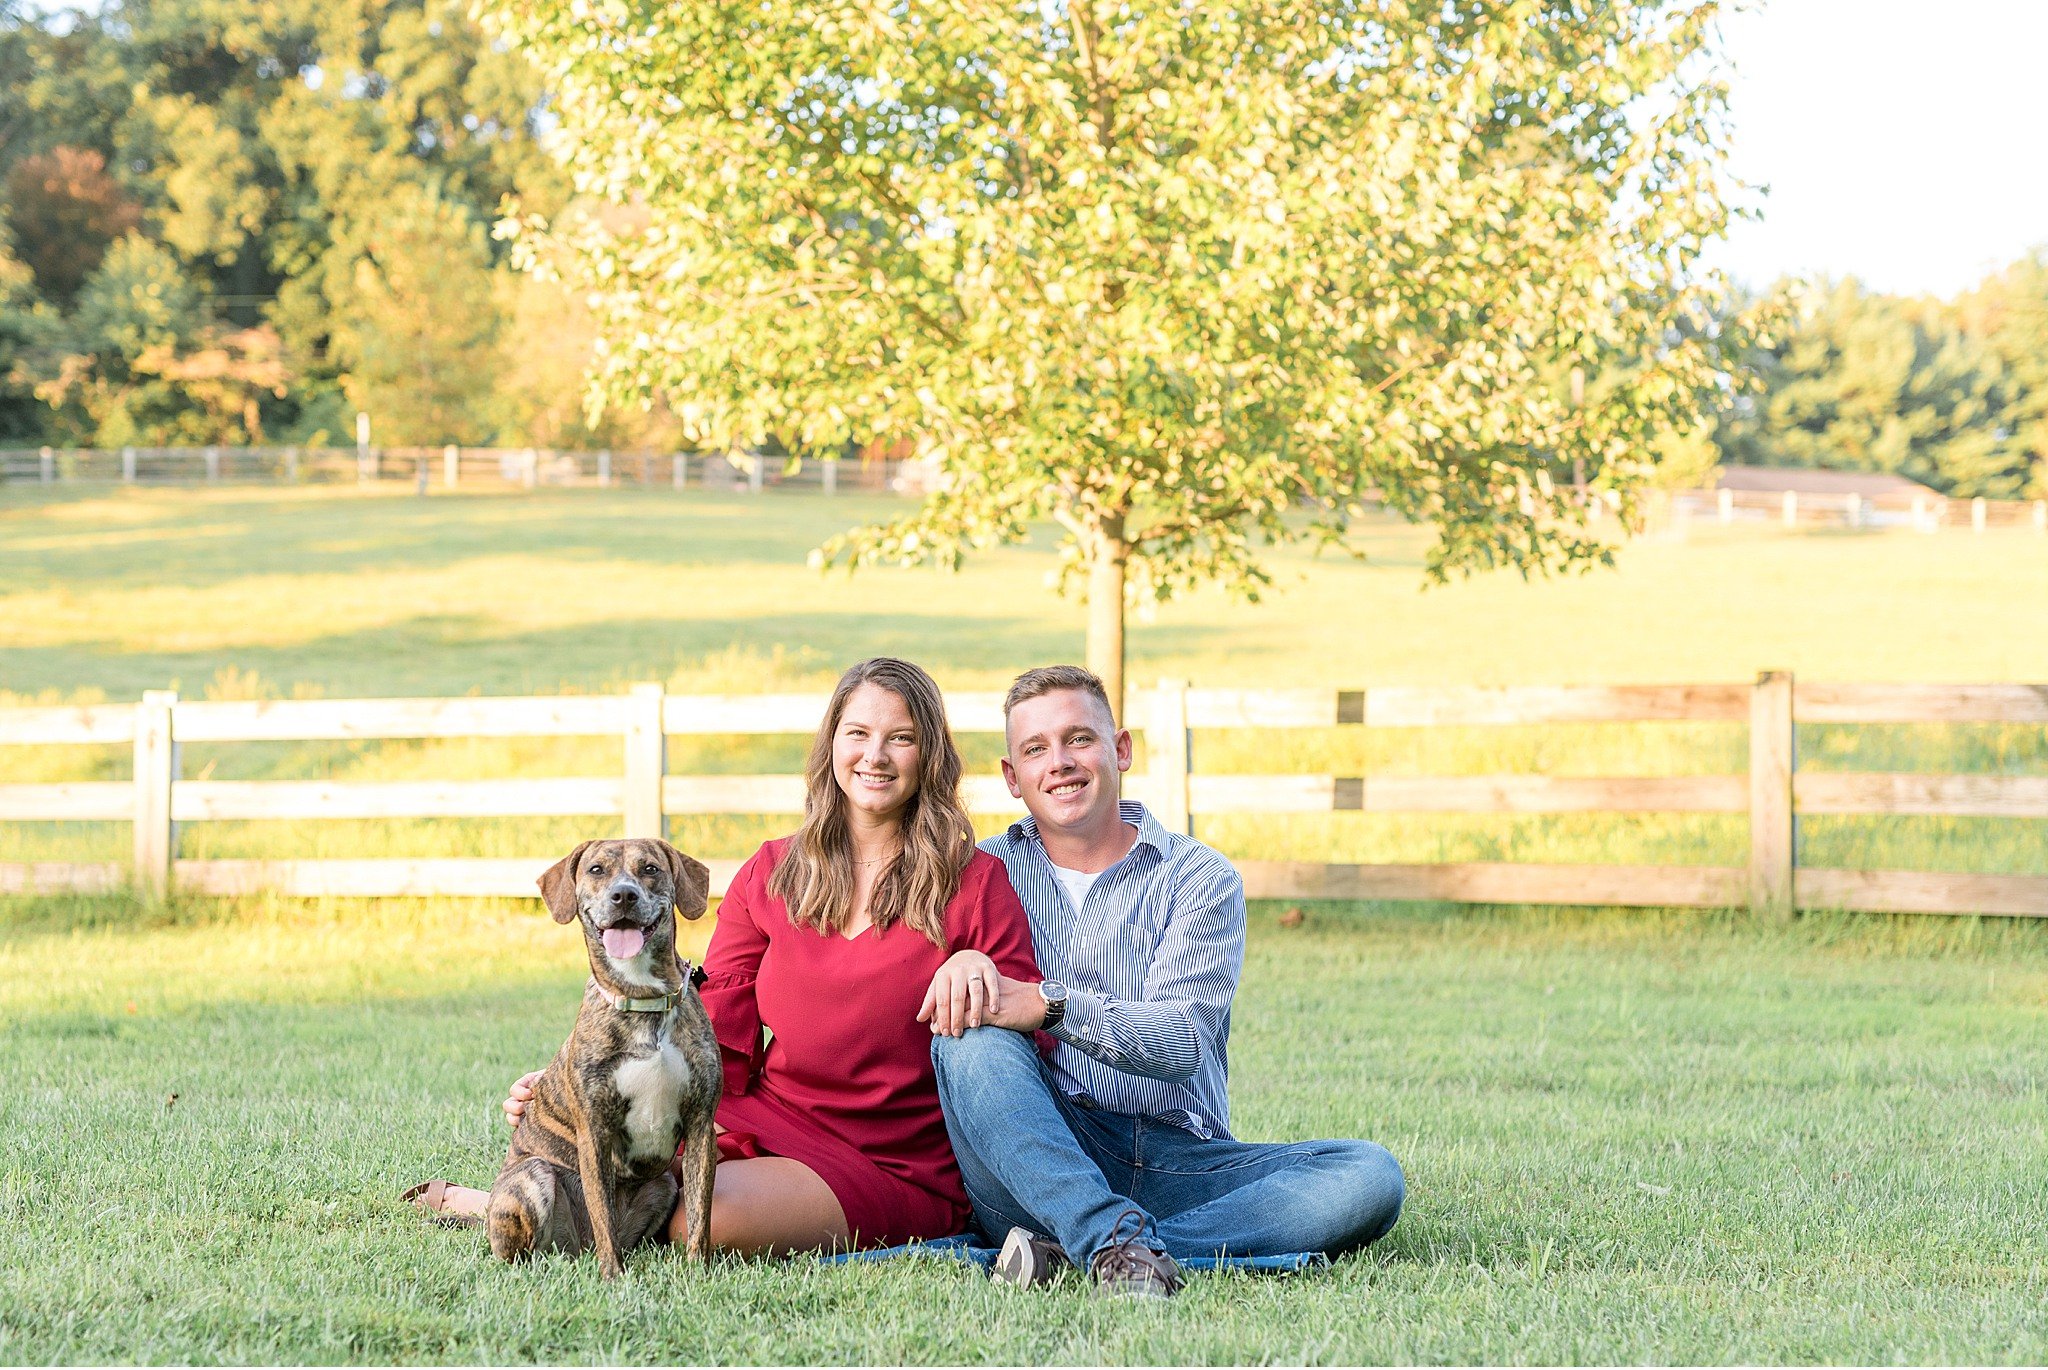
(345, 593)
(1630, 1136)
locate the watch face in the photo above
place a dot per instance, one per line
(1053, 991)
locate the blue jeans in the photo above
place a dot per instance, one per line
(1033, 1158)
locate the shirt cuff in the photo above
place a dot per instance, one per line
(1082, 1021)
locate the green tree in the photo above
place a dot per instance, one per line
(1872, 382)
(1185, 279)
(269, 146)
(548, 342)
(2009, 314)
(27, 328)
(419, 338)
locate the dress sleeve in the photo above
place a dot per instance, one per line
(731, 966)
(999, 927)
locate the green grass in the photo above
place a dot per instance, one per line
(1631, 1136)
(345, 593)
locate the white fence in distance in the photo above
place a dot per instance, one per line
(453, 468)
(532, 468)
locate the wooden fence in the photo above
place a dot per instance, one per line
(499, 468)
(1774, 792)
(1924, 513)
(454, 468)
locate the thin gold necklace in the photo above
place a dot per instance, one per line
(874, 859)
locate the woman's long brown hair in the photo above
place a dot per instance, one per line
(814, 879)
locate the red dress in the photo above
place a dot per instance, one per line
(845, 1082)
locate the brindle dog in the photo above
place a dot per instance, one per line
(589, 1164)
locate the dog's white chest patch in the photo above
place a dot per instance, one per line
(652, 1087)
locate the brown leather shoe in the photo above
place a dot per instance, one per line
(1128, 1268)
(1029, 1260)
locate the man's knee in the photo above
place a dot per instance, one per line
(982, 1051)
(1373, 1182)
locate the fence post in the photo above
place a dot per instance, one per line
(451, 465)
(678, 470)
(1773, 826)
(127, 466)
(1855, 510)
(366, 468)
(1726, 500)
(529, 470)
(2041, 515)
(291, 464)
(831, 475)
(604, 468)
(420, 474)
(212, 465)
(1791, 508)
(757, 471)
(1168, 758)
(1977, 514)
(155, 769)
(49, 464)
(646, 762)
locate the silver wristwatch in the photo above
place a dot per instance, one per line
(1055, 995)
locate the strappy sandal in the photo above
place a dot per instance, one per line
(430, 1199)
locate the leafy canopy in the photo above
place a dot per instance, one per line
(1164, 272)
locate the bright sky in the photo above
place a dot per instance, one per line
(1901, 139)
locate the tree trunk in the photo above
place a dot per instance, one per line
(1106, 556)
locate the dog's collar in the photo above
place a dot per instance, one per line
(626, 1004)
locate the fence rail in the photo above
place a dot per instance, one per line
(452, 468)
(1924, 513)
(643, 794)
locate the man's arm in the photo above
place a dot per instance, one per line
(1189, 983)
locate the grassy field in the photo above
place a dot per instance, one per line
(1631, 1136)
(258, 592)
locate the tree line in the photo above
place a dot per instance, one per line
(245, 222)
(242, 223)
(1951, 393)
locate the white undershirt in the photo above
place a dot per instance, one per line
(1076, 884)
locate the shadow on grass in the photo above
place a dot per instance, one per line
(447, 654)
(197, 539)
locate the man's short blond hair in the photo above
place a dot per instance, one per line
(1045, 680)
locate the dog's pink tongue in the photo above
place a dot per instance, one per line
(622, 944)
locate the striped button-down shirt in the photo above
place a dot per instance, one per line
(1150, 961)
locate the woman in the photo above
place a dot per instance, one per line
(830, 1134)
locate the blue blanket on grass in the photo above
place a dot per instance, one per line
(963, 1248)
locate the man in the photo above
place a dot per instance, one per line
(1118, 1146)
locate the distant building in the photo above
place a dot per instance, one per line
(1806, 480)
(1792, 495)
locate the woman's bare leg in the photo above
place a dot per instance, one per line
(770, 1206)
(760, 1206)
(467, 1203)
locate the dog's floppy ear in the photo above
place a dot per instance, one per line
(558, 885)
(693, 881)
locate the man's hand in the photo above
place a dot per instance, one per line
(517, 1098)
(969, 992)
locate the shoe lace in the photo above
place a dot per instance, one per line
(1127, 1257)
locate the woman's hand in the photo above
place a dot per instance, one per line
(969, 992)
(517, 1098)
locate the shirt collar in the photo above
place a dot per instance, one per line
(1151, 832)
